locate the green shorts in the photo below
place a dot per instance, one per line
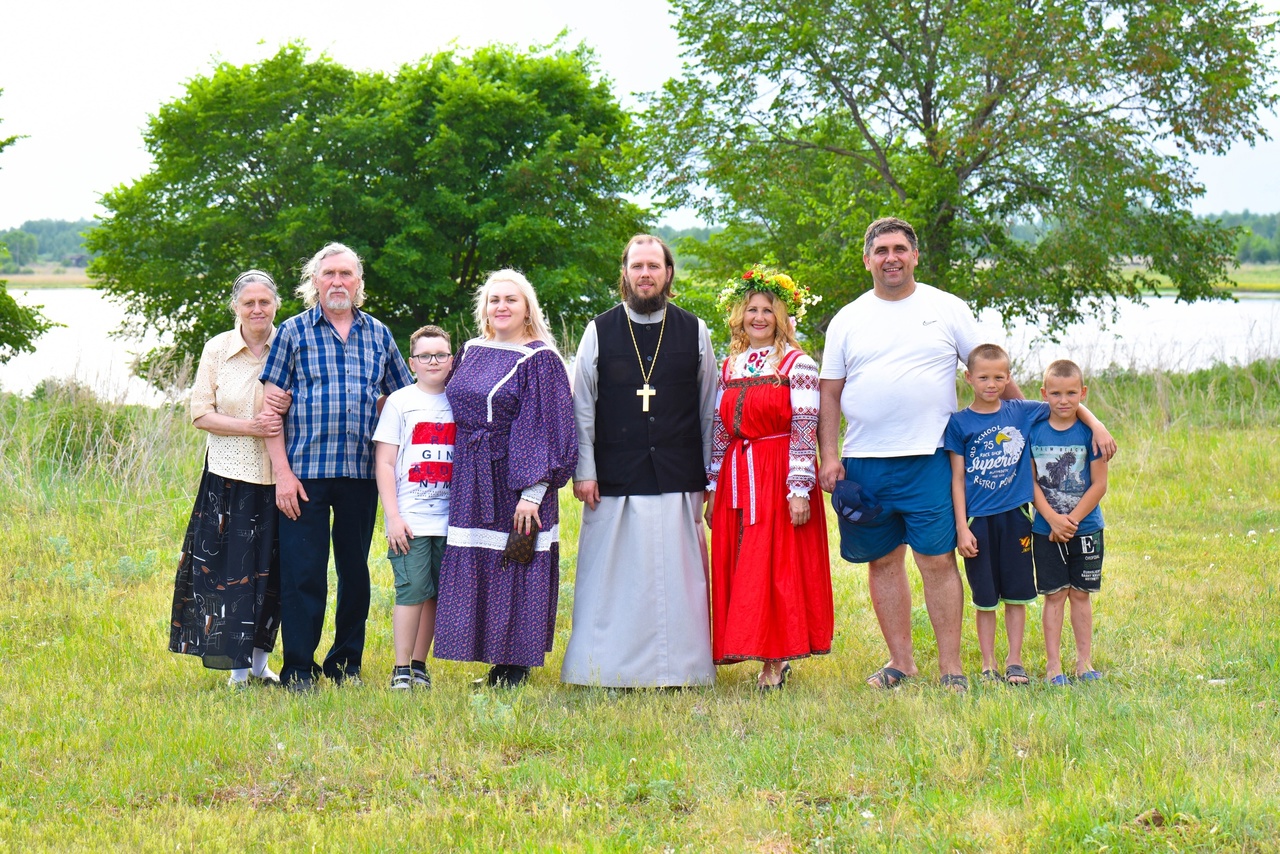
(417, 573)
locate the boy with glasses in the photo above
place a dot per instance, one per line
(413, 462)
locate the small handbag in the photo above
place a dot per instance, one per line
(520, 547)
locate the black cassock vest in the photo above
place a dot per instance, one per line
(648, 453)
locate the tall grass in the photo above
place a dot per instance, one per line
(108, 741)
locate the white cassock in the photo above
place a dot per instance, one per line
(640, 605)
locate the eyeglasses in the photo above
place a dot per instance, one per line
(432, 358)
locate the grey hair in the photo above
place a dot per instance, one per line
(306, 290)
(251, 277)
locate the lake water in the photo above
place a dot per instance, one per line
(1159, 333)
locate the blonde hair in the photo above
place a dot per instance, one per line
(1064, 369)
(988, 353)
(535, 324)
(306, 290)
(783, 334)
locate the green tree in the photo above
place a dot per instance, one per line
(23, 246)
(796, 123)
(448, 169)
(20, 325)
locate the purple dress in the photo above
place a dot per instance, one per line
(514, 414)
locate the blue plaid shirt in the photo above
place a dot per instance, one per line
(336, 386)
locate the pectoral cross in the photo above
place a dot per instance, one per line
(646, 393)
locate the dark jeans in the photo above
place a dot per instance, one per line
(304, 576)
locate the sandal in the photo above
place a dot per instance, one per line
(957, 682)
(1089, 676)
(887, 677)
(1016, 674)
(1059, 681)
(766, 687)
(991, 677)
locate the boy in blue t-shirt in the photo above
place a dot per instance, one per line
(413, 463)
(991, 492)
(1069, 484)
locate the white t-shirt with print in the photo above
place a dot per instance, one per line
(898, 359)
(421, 424)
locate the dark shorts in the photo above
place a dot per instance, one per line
(1002, 571)
(914, 494)
(1076, 564)
(418, 572)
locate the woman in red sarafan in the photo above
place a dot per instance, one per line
(770, 568)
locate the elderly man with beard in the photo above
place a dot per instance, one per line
(644, 395)
(339, 363)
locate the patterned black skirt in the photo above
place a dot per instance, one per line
(226, 596)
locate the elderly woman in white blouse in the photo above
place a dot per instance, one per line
(226, 598)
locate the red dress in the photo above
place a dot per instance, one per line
(770, 580)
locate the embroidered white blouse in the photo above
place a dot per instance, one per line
(803, 455)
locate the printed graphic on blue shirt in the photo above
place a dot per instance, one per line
(1062, 459)
(993, 446)
(993, 457)
(1060, 471)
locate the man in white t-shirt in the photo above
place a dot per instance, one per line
(414, 469)
(890, 367)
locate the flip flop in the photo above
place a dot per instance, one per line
(1016, 674)
(1089, 676)
(992, 676)
(887, 677)
(1059, 681)
(957, 682)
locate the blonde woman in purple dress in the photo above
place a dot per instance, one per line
(516, 446)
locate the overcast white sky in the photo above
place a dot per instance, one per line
(80, 78)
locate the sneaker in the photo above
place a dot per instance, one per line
(401, 679)
(237, 684)
(421, 678)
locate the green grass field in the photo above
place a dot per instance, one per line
(47, 276)
(1257, 277)
(111, 742)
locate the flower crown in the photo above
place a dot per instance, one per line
(761, 279)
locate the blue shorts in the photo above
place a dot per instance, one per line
(914, 494)
(1002, 571)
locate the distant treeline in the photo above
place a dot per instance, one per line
(1259, 240)
(49, 241)
(56, 241)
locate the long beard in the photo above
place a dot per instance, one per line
(646, 305)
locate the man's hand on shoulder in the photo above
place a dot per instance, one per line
(587, 491)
